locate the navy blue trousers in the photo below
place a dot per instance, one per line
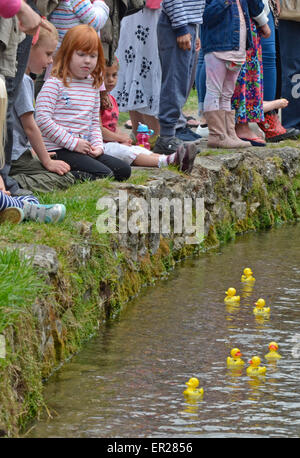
(289, 37)
(177, 66)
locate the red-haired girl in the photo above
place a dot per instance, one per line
(67, 108)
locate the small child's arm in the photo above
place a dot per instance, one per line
(96, 134)
(2, 186)
(35, 138)
(118, 136)
(91, 13)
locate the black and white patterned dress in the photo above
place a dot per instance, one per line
(139, 80)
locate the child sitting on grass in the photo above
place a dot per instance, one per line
(119, 144)
(42, 174)
(15, 209)
(68, 106)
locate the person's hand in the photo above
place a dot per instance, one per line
(185, 42)
(265, 31)
(105, 101)
(29, 20)
(59, 167)
(95, 152)
(83, 146)
(2, 187)
(198, 44)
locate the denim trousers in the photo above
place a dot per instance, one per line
(269, 61)
(177, 66)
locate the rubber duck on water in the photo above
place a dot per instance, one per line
(255, 368)
(231, 296)
(273, 355)
(247, 276)
(260, 308)
(192, 388)
(235, 360)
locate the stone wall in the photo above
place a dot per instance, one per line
(252, 190)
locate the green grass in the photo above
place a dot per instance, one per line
(19, 286)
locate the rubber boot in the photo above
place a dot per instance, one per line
(218, 137)
(231, 133)
(274, 130)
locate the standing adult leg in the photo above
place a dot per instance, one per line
(176, 67)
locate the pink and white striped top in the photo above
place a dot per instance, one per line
(66, 114)
(70, 13)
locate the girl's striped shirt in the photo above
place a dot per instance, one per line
(70, 13)
(66, 114)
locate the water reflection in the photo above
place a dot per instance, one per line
(128, 381)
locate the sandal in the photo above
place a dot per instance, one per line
(191, 121)
(256, 141)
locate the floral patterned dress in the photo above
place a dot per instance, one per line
(247, 99)
(139, 78)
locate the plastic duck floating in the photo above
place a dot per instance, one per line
(247, 277)
(192, 389)
(273, 355)
(260, 308)
(231, 297)
(235, 360)
(255, 368)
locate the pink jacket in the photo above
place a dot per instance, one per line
(8, 8)
(153, 4)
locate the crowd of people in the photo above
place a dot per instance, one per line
(68, 66)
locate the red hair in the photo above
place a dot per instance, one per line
(80, 38)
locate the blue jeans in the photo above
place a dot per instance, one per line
(177, 66)
(269, 62)
(201, 81)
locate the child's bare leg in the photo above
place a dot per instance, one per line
(274, 104)
(146, 160)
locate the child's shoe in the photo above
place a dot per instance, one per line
(185, 157)
(12, 214)
(44, 213)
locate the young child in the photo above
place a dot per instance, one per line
(67, 15)
(119, 144)
(225, 35)
(68, 106)
(34, 174)
(15, 209)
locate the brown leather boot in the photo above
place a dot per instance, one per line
(230, 129)
(218, 137)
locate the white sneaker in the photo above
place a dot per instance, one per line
(44, 213)
(203, 131)
(12, 214)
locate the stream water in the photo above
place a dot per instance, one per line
(128, 380)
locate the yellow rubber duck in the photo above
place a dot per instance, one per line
(235, 360)
(192, 389)
(255, 368)
(247, 276)
(272, 355)
(260, 308)
(231, 297)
